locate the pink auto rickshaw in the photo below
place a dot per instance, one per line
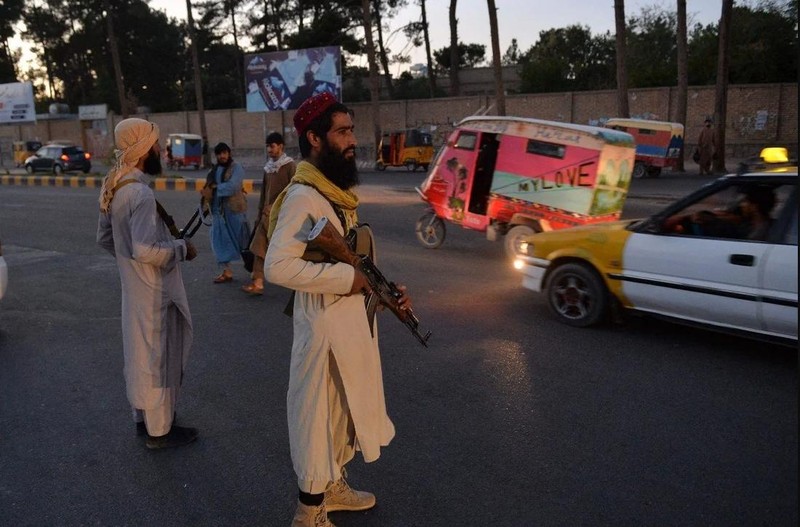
(511, 177)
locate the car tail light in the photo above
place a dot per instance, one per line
(87, 155)
(64, 157)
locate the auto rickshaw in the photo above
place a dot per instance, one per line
(513, 176)
(23, 150)
(409, 148)
(184, 150)
(658, 144)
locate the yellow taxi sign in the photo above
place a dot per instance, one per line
(774, 154)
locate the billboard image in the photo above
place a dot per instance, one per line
(16, 103)
(282, 80)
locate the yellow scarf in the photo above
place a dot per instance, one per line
(308, 174)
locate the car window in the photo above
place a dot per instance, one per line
(742, 211)
(72, 150)
(466, 141)
(790, 236)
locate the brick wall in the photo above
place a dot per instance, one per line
(758, 115)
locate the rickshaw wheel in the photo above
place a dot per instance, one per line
(411, 166)
(430, 230)
(639, 170)
(380, 167)
(514, 236)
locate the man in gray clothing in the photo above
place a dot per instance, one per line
(156, 324)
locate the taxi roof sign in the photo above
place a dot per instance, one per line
(774, 154)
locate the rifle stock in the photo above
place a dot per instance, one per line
(324, 237)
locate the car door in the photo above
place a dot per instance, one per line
(709, 281)
(711, 277)
(778, 311)
(41, 162)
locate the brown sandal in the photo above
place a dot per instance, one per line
(252, 289)
(222, 278)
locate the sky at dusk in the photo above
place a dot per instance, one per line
(520, 19)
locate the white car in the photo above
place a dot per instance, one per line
(702, 260)
(3, 273)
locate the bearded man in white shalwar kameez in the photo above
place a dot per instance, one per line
(335, 402)
(156, 324)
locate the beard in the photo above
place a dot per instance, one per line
(152, 164)
(340, 170)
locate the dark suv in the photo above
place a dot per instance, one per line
(58, 158)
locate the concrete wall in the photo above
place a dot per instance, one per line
(758, 115)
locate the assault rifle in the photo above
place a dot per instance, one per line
(197, 219)
(325, 238)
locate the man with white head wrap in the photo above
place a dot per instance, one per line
(156, 324)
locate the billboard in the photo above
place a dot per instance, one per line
(282, 80)
(16, 103)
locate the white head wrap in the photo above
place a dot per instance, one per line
(134, 138)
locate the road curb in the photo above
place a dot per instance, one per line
(250, 185)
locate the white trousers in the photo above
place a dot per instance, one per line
(344, 431)
(158, 420)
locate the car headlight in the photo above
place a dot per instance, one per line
(525, 248)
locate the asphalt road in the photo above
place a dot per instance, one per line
(508, 419)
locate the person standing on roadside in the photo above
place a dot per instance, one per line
(706, 145)
(335, 401)
(277, 173)
(156, 324)
(223, 191)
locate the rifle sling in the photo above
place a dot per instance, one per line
(162, 213)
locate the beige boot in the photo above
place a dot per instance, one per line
(311, 516)
(341, 497)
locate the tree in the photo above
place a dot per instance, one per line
(10, 13)
(455, 88)
(567, 59)
(198, 85)
(683, 76)
(512, 55)
(622, 72)
(721, 88)
(114, 49)
(651, 48)
(499, 92)
(374, 85)
(468, 56)
(426, 34)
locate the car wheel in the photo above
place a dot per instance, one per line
(514, 236)
(639, 170)
(577, 295)
(430, 230)
(86, 169)
(57, 169)
(29, 169)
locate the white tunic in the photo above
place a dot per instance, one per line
(325, 320)
(156, 324)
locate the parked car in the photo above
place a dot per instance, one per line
(3, 273)
(58, 158)
(705, 260)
